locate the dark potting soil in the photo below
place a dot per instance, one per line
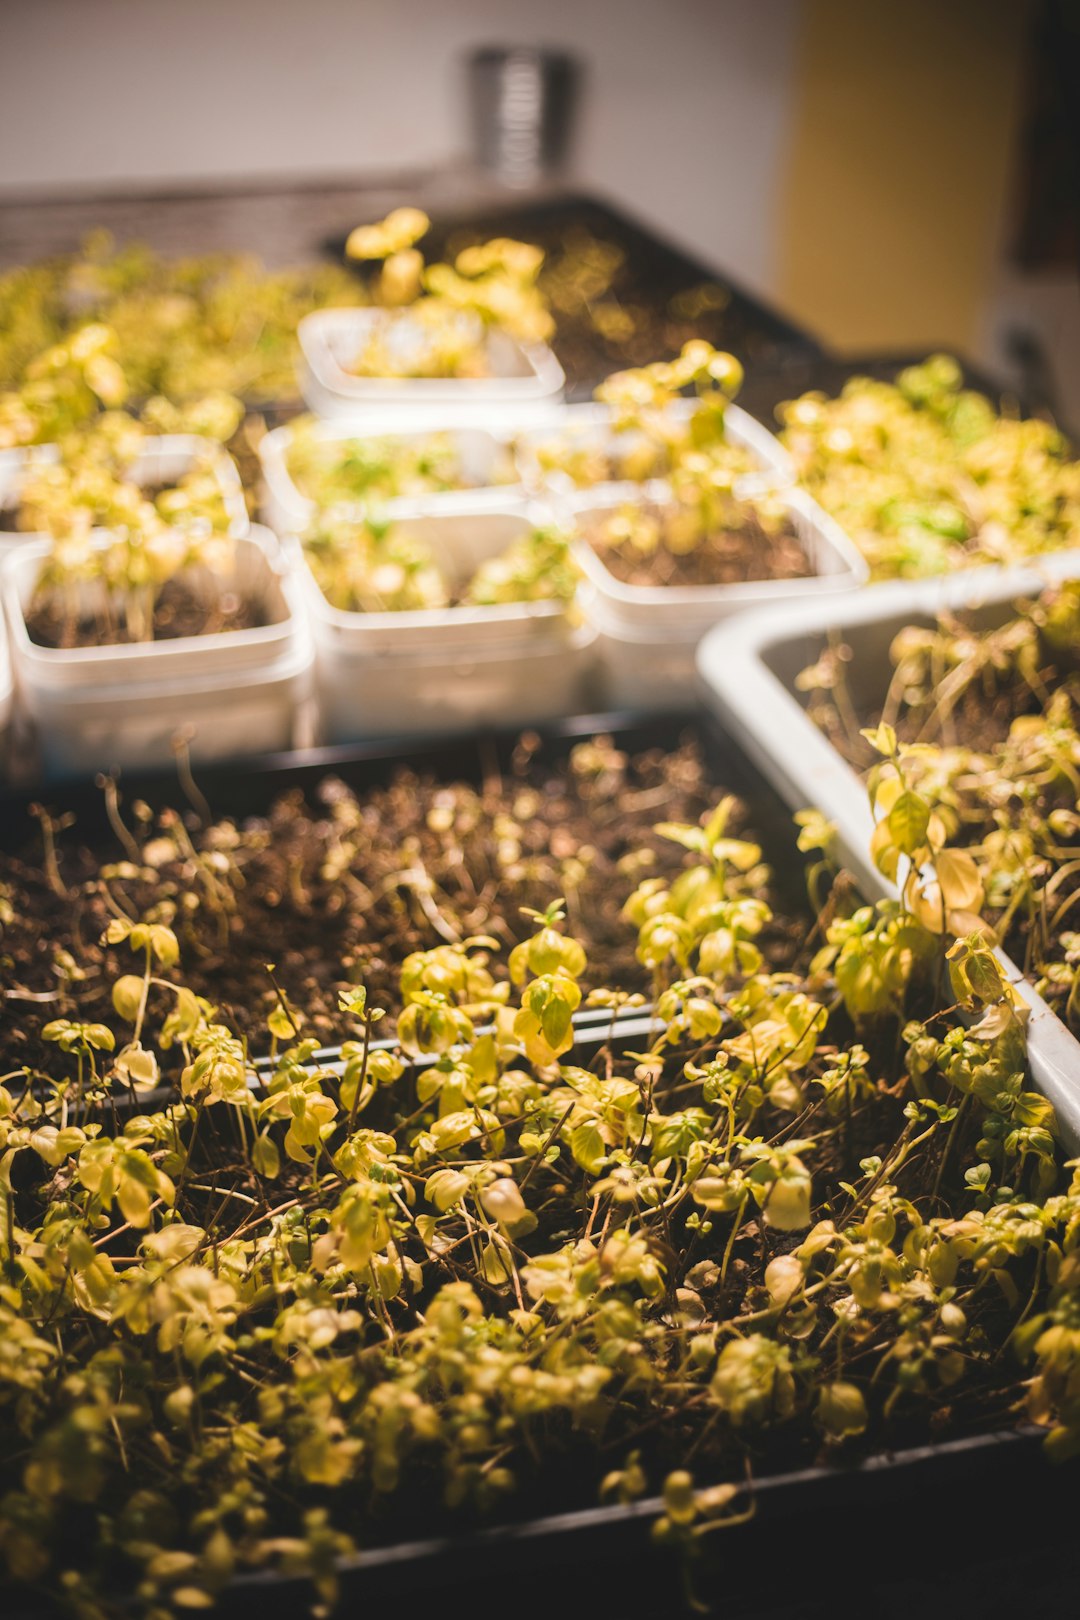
(340, 891)
(179, 611)
(726, 557)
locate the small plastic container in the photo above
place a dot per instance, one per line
(163, 459)
(592, 427)
(90, 708)
(287, 510)
(450, 669)
(524, 376)
(639, 670)
(649, 633)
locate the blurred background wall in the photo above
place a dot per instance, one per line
(861, 164)
(684, 110)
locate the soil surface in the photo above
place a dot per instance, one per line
(726, 557)
(339, 891)
(179, 611)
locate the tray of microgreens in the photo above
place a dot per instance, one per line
(927, 475)
(340, 1192)
(963, 690)
(460, 336)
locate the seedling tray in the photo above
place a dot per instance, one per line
(450, 668)
(247, 787)
(525, 379)
(653, 274)
(602, 1560)
(748, 670)
(592, 1555)
(92, 705)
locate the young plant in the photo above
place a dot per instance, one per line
(63, 387)
(926, 476)
(651, 437)
(368, 563)
(136, 582)
(178, 329)
(92, 484)
(247, 1312)
(437, 317)
(337, 472)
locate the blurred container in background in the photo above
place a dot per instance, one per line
(521, 104)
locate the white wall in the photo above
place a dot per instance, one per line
(685, 110)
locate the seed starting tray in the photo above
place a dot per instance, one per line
(944, 1496)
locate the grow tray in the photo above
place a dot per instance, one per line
(655, 282)
(749, 670)
(781, 1565)
(250, 789)
(579, 1558)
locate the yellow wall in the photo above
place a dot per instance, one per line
(900, 158)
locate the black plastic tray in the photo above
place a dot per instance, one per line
(896, 1536)
(247, 787)
(835, 1524)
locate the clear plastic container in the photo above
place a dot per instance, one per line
(163, 459)
(687, 611)
(639, 670)
(383, 674)
(523, 375)
(287, 510)
(90, 708)
(592, 427)
(648, 635)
